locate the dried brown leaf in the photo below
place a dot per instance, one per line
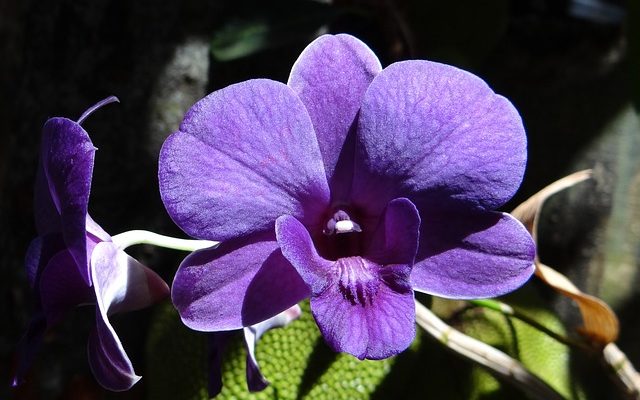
(601, 325)
(528, 212)
(600, 322)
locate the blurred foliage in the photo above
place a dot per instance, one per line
(634, 50)
(268, 25)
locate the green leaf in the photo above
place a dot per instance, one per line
(268, 26)
(542, 355)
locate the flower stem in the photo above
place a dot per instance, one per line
(611, 356)
(101, 103)
(510, 311)
(484, 355)
(626, 375)
(130, 238)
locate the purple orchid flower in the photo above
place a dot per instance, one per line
(352, 185)
(73, 261)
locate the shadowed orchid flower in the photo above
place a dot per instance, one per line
(351, 185)
(73, 261)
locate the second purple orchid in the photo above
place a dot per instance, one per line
(352, 185)
(73, 261)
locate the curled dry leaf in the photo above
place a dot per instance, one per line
(600, 322)
(528, 212)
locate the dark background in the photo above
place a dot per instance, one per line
(570, 67)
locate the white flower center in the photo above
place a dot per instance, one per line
(341, 223)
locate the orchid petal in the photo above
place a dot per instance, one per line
(40, 251)
(252, 334)
(361, 308)
(436, 133)
(238, 156)
(376, 330)
(107, 358)
(239, 283)
(62, 287)
(472, 254)
(279, 321)
(255, 380)
(330, 77)
(96, 231)
(124, 284)
(67, 159)
(217, 343)
(395, 240)
(47, 216)
(34, 259)
(121, 284)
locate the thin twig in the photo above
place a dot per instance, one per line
(484, 355)
(627, 377)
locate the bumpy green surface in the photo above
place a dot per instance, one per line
(295, 359)
(299, 364)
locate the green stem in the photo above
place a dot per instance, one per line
(510, 311)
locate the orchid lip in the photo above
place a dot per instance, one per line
(357, 282)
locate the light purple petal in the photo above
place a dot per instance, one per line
(108, 360)
(67, 159)
(279, 321)
(121, 284)
(298, 248)
(252, 334)
(61, 287)
(433, 132)
(244, 155)
(96, 231)
(330, 77)
(472, 255)
(361, 308)
(256, 382)
(239, 283)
